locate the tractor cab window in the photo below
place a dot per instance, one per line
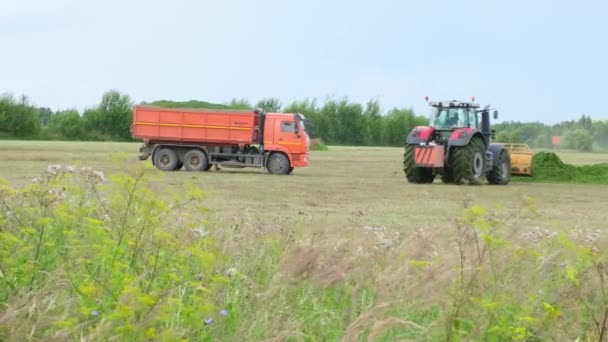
(453, 117)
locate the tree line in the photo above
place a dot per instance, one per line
(583, 134)
(336, 121)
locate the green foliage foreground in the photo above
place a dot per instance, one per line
(82, 256)
(85, 258)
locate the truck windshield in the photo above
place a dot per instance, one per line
(452, 117)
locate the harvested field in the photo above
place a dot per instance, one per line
(346, 249)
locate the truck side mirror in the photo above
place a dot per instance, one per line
(296, 129)
(495, 114)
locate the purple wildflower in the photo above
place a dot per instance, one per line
(224, 312)
(95, 313)
(208, 321)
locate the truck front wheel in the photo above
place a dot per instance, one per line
(165, 159)
(195, 160)
(278, 164)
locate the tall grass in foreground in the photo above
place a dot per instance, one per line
(93, 259)
(86, 258)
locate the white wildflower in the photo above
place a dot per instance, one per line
(100, 176)
(231, 272)
(53, 169)
(200, 232)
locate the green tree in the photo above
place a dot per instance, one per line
(45, 115)
(239, 104)
(269, 104)
(373, 113)
(69, 124)
(579, 139)
(600, 133)
(18, 117)
(113, 116)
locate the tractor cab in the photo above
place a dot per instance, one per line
(447, 116)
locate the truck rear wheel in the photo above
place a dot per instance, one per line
(278, 164)
(165, 159)
(195, 160)
(469, 162)
(501, 171)
(413, 173)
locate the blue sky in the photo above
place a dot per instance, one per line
(533, 60)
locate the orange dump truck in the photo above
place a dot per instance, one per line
(197, 139)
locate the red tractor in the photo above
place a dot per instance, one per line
(457, 146)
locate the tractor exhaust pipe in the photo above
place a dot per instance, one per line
(485, 123)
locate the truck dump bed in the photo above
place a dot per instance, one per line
(195, 125)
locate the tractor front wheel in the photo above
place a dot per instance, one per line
(469, 162)
(501, 171)
(413, 173)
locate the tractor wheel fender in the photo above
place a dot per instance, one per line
(462, 136)
(495, 149)
(420, 134)
(471, 133)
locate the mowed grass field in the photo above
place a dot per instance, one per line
(347, 250)
(367, 181)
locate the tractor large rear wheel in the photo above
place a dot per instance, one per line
(501, 171)
(468, 162)
(413, 173)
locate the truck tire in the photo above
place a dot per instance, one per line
(469, 162)
(290, 170)
(209, 166)
(413, 173)
(178, 166)
(278, 164)
(501, 171)
(195, 160)
(165, 159)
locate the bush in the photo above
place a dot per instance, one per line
(317, 145)
(99, 260)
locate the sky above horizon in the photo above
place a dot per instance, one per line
(532, 60)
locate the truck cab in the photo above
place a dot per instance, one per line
(286, 132)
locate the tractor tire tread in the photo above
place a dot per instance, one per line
(414, 174)
(496, 176)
